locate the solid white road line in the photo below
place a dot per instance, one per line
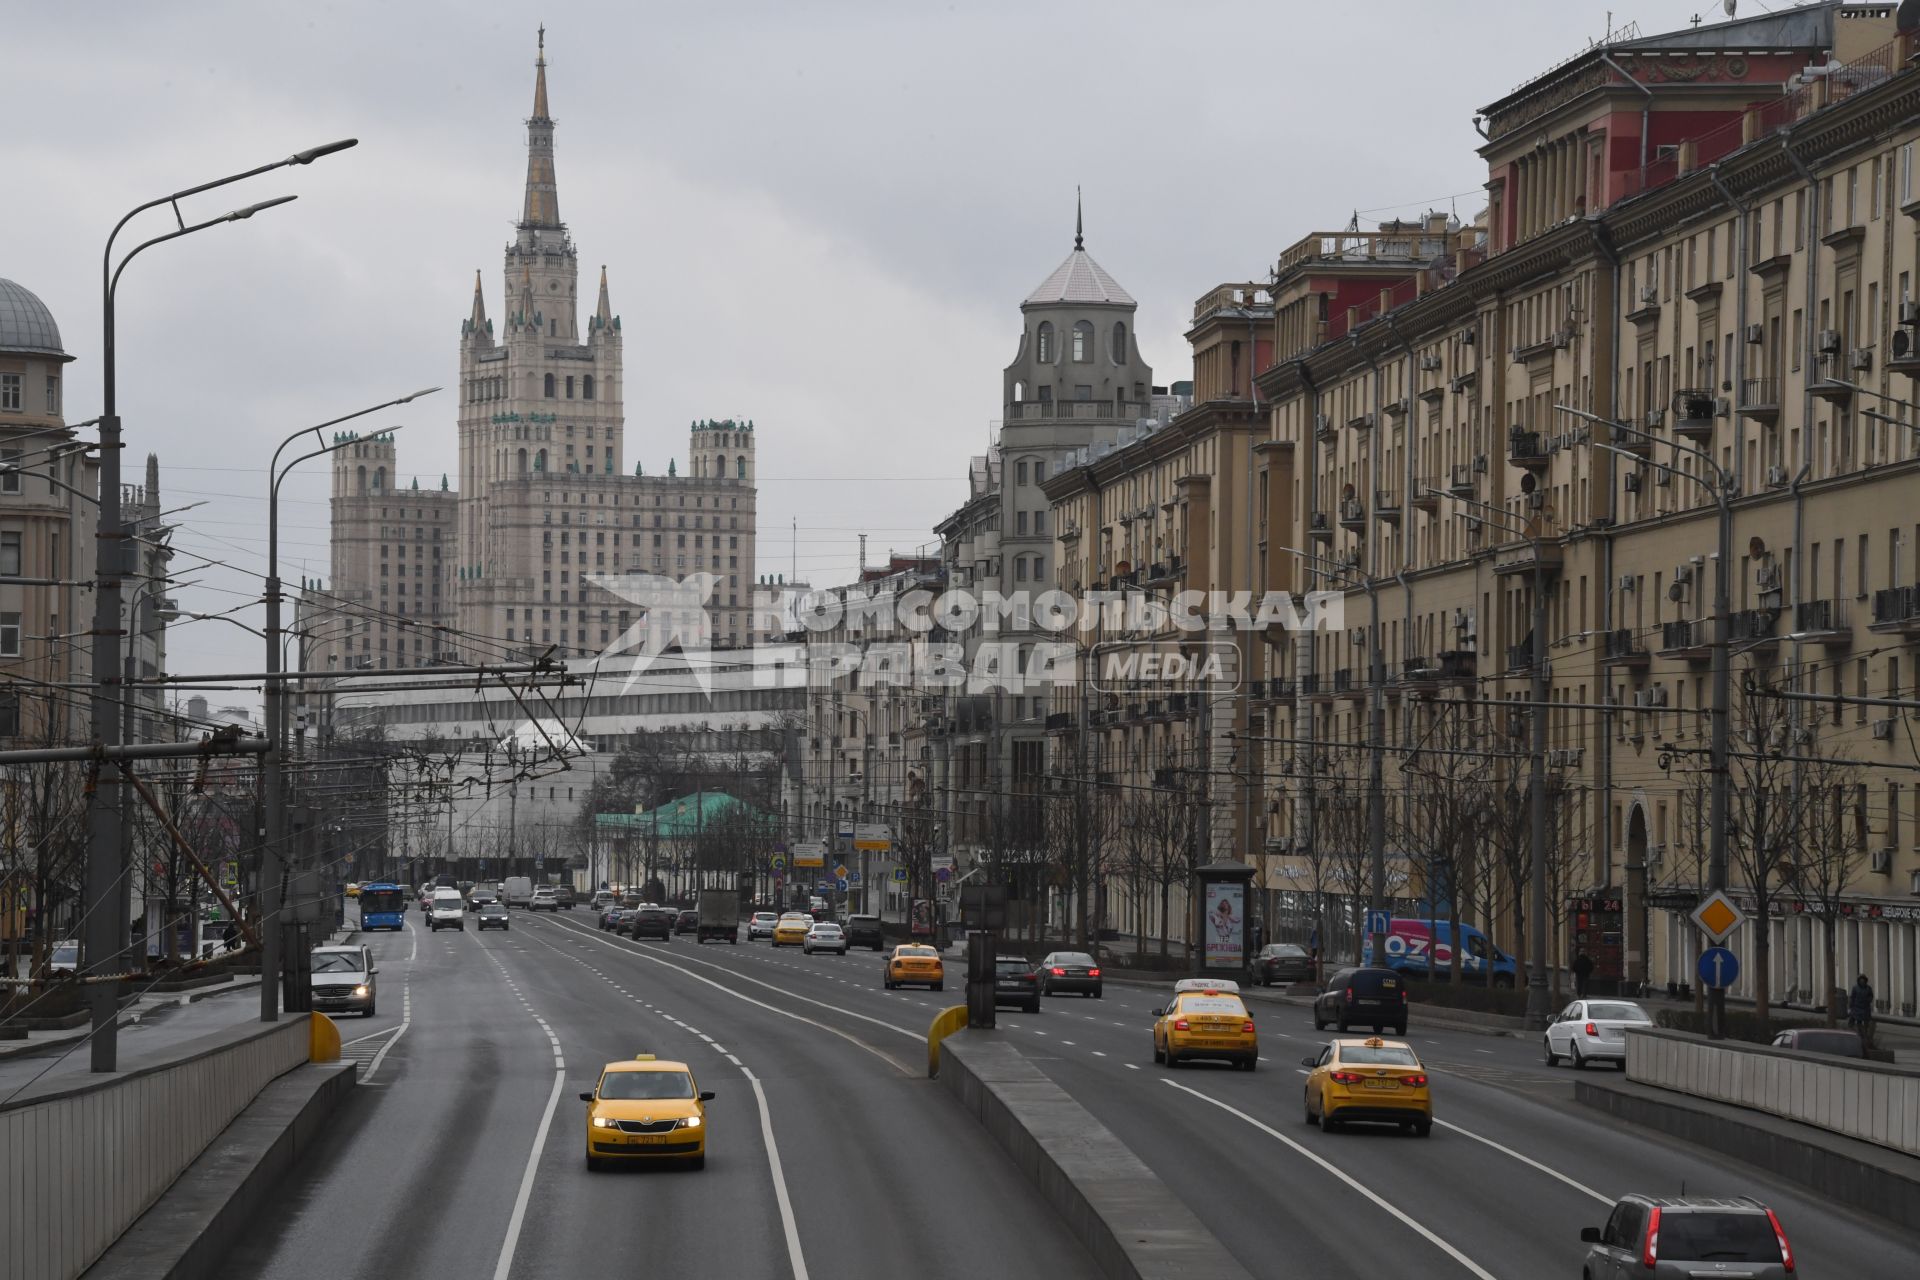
(505, 1265)
(1355, 1184)
(787, 1222)
(1549, 1170)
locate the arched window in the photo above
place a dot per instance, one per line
(1119, 342)
(1019, 392)
(1043, 351)
(586, 387)
(549, 386)
(379, 479)
(523, 462)
(363, 480)
(1083, 341)
(741, 463)
(540, 460)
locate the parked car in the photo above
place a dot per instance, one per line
(687, 921)
(1282, 962)
(1832, 1040)
(65, 957)
(1362, 998)
(602, 900)
(1016, 980)
(1073, 971)
(1672, 1237)
(1593, 1031)
(865, 931)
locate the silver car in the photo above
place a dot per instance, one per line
(342, 980)
(1674, 1238)
(825, 936)
(1593, 1031)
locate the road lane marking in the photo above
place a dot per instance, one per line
(787, 1222)
(1472, 1267)
(1529, 1160)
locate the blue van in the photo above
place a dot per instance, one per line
(1425, 949)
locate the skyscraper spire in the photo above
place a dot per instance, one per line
(542, 208)
(478, 321)
(1079, 237)
(603, 314)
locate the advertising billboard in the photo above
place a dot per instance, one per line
(1224, 928)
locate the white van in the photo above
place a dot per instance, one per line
(519, 891)
(449, 908)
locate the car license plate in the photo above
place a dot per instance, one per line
(1383, 1084)
(1613, 1033)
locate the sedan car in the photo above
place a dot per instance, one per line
(481, 897)
(648, 922)
(913, 964)
(610, 917)
(760, 925)
(1593, 1031)
(493, 915)
(1016, 980)
(1371, 1079)
(791, 929)
(1074, 971)
(1671, 1237)
(686, 922)
(341, 979)
(646, 1109)
(1208, 1023)
(1834, 1040)
(1282, 962)
(1362, 997)
(824, 936)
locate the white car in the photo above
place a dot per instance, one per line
(544, 899)
(65, 957)
(341, 979)
(1593, 1031)
(448, 909)
(824, 936)
(760, 925)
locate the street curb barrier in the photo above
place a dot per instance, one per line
(1447, 1019)
(187, 1232)
(1871, 1178)
(945, 1023)
(1118, 1208)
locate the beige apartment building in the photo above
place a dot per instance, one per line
(1698, 260)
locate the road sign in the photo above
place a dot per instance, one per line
(846, 829)
(777, 863)
(1719, 967)
(942, 874)
(1717, 916)
(825, 885)
(853, 877)
(874, 837)
(840, 873)
(812, 853)
(899, 875)
(1379, 922)
(348, 859)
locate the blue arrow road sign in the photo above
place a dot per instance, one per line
(1378, 921)
(1719, 967)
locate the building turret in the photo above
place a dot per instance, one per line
(721, 449)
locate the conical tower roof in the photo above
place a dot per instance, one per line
(1079, 280)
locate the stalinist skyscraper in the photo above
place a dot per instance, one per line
(546, 497)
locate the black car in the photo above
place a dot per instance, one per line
(649, 922)
(1074, 971)
(1016, 980)
(610, 918)
(493, 915)
(480, 898)
(1374, 998)
(865, 931)
(1282, 962)
(686, 922)
(1839, 1043)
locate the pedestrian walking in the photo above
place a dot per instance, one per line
(1582, 972)
(1860, 1008)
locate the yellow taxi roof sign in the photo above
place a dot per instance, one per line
(1375, 1042)
(643, 1057)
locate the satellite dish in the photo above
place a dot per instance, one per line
(1728, 5)
(1755, 546)
(1902, 343)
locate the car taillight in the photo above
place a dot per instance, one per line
(1593, 1032)
(1093, 973)
(1650, 1252)
(1780, 1234)
(1247, 1026)
(1416, 1080)
(1403, 995)
(1349, 995)
(1344, 1077)
(1058, 973)
(1180, 1025)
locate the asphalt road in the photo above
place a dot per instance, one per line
(829, 1152)
(1512, 1172)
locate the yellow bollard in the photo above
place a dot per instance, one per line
(323, 1039)
(945, 1023)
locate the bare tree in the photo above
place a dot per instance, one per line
(1826, 857)
(1444, 812)
(1767, 814)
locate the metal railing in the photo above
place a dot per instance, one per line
(1821, 615)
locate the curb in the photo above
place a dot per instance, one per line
(1118, 1208)
(1432, 1015)
(187, 1232)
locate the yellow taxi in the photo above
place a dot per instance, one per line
(791, 929)
(645, 1108)
(1373, 1079)
(353, 891)
(1207, 1022)
(912, 964)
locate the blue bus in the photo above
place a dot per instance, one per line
(383, 906)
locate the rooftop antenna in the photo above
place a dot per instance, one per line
(795, 548)
(1079, 237)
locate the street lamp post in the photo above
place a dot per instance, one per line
(1721, 486)
(106, 928)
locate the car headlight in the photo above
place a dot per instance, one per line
(601, 1122)
(691, 1122)
(360, 991)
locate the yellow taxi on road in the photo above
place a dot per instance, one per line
(1371, 1079)
(353, 890)
(1207, 1022)
(646, 1108)
(912, 964)
(791, 929)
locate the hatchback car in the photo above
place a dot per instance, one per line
(543, 899)
(493, 915)
(1210, 1023)
(1282, 962)
(1368, 1080)
(1668, 1238)
(686, 922)
(1016, 980)
(824, 936)
(610, 918)
(760, 925)
(791, 929)
(1073, 971)
(1593, 1031)
(648, 922)
(865, 931)
(1362, 997)
(646, 1109)
(912, 964)
(1833, 1040)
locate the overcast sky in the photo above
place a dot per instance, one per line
(822, 216)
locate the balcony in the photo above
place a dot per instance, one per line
(1520, 657)
(1419, 675)
(1693, 414)
(1685, 639)
(1546, 556)
(1353, 515)
(1031, 410)
(1346, 685)
(1823, 622)
(1460, 480)
(1319, 528)
(1526, 449)
(1386, 505)
(1257, 689)
(1324, 430)
(1622, 648)
(1896, 610)
(1753, 627)
(1165, 573)
(1459, 664)
(1760, 399)
(1282, 690)
(1425, 496)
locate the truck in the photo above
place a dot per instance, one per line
(1424, 949)
(519, 891)
(719, 916)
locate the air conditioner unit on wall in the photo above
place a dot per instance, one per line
(1881, 861)
(1860, 358)
(1829, 342)
(1756, 334)
(1910, 313)
(1883, 730)
(1632, 481)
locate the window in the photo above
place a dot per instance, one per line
(569, 388)
(10, 554)
(53, 393)
(1119, 342)
(9, 715)
(10, 391)
(10, 480)
(586, 387)
(740, 468)
(1020, 522)
(1020, 474)
(1039, 472)
(549, 386)
(1082, 341)
(9, 635)
(1043, 349)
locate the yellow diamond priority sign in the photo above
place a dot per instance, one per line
(1717, 916)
